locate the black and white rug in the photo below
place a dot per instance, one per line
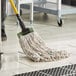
(69, 70)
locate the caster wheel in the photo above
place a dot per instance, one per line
(45, 13)
(20, 12)
(45, 16)
(60, 23)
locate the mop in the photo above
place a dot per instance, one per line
(32, 44)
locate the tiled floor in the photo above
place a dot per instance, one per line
(59, 38)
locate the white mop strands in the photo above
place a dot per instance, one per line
(35, 48)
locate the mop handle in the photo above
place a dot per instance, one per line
(14, 7)
(22, 25)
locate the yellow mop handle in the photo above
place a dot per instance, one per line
(13, 6)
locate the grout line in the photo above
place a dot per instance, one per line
(21, 52)
(72, 45)
(26, 64)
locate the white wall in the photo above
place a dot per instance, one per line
(52, 0)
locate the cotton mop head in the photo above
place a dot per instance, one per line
(37, 50)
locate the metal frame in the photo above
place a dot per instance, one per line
(41, 7)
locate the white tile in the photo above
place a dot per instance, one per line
(59, 38)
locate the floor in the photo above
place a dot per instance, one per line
(58, 38)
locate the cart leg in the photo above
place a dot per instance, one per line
(31, 13)
(44, 6)
(18, 7)
(20, 11)
(45, 16)
(59, 19)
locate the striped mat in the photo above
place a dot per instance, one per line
(69, 70)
